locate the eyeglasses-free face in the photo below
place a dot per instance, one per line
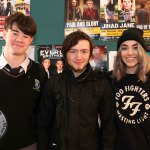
(130, 55)
(78, 56)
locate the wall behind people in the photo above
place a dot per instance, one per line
(49, 16)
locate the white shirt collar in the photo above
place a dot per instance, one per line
(59, 71)
(24, 64)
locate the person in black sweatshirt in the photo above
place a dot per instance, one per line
(20, 85)
(131, 86)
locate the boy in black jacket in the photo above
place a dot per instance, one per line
(72, 101)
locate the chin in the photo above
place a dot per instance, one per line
(80, 70)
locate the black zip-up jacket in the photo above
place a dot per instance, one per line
(69, 110)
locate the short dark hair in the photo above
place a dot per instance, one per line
(142, 5)
(25, 23)
(72, 39)
(46, 58)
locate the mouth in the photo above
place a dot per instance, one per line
(130, 58)
(18, 45)
(78, 63)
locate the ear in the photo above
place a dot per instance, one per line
(31, 40)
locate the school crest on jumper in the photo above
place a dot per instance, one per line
(36, 85)
(3, 125)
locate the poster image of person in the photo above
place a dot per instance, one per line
(23, 6)
(108, 11)
(52, 52)
(98, 59)
(143, 12)
(126, 11)
(2, 9)
(75, 21)
(8, 7)
(45, 66)
(73, 10)
(91, 11)
(59, 66)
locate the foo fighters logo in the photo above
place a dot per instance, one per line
(134, 106)
(3, 125)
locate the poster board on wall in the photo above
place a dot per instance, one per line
(8, 7)
(111, 58)
(98, 60)
(112, 18)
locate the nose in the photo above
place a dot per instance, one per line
(19, 38)
(78, 55)
(130, 51)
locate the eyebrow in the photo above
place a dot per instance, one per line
(131, 45)
(77, 49)
(14, 30)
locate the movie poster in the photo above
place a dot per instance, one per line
(8, 7)
(53, 52)
(122, 16)
(82, 15)
(106, 20)
(50, 58)
(98, 60)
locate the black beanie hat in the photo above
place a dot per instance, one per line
(135, 34)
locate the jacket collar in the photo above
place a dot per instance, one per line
(88, 74)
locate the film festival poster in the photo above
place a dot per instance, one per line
(113, 19)
(52, 52)
(8, 7)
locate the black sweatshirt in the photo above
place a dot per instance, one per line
(132, 98)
